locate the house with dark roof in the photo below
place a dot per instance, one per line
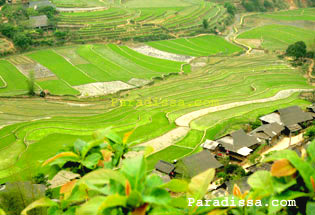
(292, 118)
(41, 3)
(39, 21)
(269, 133)
(311, 109)
(164, 167)
(195, 164)
(238, 144)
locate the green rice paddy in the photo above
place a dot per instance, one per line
(278, 36)
(197, 46)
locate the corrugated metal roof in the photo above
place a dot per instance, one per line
(270, 130)
(164, 167)
(294, 115)
(199, 162)
(237, 140)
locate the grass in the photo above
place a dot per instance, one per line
(58, 87)
(60, 67)
(278, 36)
(306, 14)
(197, 46)
(16, 81)
(155, 3)
(168, 154)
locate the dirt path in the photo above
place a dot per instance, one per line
(187, 118)
(163, 141)
(64, 9)
(234, 33)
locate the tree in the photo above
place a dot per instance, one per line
(31, 83)
(2, 2)
(8, 30)
(230, 8)
(205, 24)
(22, 41)
(296, 50)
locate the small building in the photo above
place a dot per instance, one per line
(39, 21)
(238, 145)
(38, 4)
(292, 118)
(195, 164)
(271, 118)
(268, 132)
(210, 145)
(311, 109)
(165, 167)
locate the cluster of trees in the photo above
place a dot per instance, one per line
(230, 8)
(262, 6)
(18, 27)
(298, 50)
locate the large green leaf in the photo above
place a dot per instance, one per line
(311, 151)
(310, 208)
(199, 184)
(261, 182)
(43, 202)
(2, 212)
(153, 181)
(134, 199)
(176, 185)
(305, 169)
(107, 133)
(102, 176)
(65, 155)
(79, 145)
(287, 195)
(85, 150)
(91, 160)
(157, 196)
(135, 171)
(99, 203)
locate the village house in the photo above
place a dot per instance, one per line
(269, 133)
(165, 167)
(39, 22)
(195, 164)
(38, 4)
(292, 118)
(238, 145)
(311, 109)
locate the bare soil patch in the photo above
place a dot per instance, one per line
(102, 88)
(150, 51)
(254, 43)
(138, 82)
(26, 65)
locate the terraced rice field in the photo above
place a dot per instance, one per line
(12, 81)
(278, 36)
(26, 143)
(131, 22)
(197, 46)
(304, 14)
(87, 64)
